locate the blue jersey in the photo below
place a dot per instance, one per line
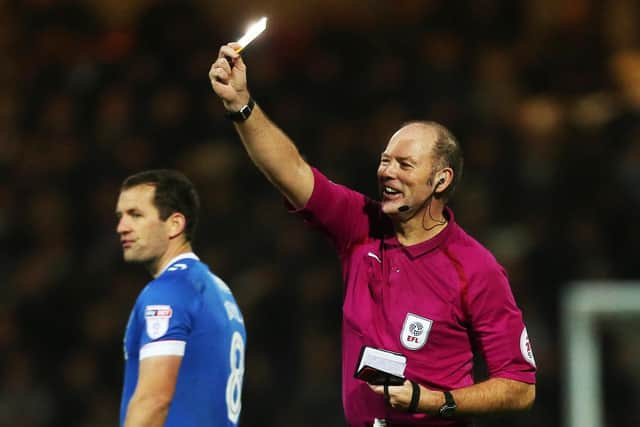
(188, 311)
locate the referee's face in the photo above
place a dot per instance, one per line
(143, 235)
(405, 169)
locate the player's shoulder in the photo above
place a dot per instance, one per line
(220, 284)
(185, 270)
(183, 267)
(192, 276)
(180, 277)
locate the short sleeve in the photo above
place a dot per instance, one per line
(498, 327)
(344, 215)
(166, 313)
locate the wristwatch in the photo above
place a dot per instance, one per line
(449, 407)
(244, 112)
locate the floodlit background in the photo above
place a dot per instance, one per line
(544, 96)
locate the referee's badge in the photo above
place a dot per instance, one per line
(525, 348)
(157, 320)
(415, 331)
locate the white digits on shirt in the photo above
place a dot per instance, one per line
(234, 383)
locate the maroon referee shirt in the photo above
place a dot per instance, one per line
(433, 302)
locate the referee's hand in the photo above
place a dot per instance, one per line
(228, 76)
(399, 395)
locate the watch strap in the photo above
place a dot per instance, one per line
(449, 406)
(242, 114)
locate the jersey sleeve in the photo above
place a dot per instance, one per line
(498, 327)
(344, 215)
(167, 315)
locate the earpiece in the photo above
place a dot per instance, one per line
(441, 180)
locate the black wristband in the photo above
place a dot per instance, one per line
(415, 397)
(243, 114)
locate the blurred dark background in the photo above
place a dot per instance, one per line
(544, 96)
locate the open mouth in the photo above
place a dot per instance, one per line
(391, 193)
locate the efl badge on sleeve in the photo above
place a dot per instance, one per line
(525, 348)
(157, 320)
(415, 331)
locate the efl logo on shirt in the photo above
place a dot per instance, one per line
(157, 320)
(525, 348)
(415, 331)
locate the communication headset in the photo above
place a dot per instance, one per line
(441, 180)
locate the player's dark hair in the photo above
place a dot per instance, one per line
(174, 193)
(446, 153)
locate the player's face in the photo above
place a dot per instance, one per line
(143, 235)
(405, 169)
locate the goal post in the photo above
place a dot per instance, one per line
(584, 303)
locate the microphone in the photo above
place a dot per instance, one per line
(403, 208)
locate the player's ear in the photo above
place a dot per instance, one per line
(176, 224)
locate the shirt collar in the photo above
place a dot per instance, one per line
(186, 255)
(428, 245)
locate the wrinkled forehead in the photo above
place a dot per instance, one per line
(140, 196)
(414, 140)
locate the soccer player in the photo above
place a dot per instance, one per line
(415, 282)
(184, 345)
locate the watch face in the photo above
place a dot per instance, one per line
(448, 409)
(245, 111)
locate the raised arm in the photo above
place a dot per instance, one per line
(269, 148)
